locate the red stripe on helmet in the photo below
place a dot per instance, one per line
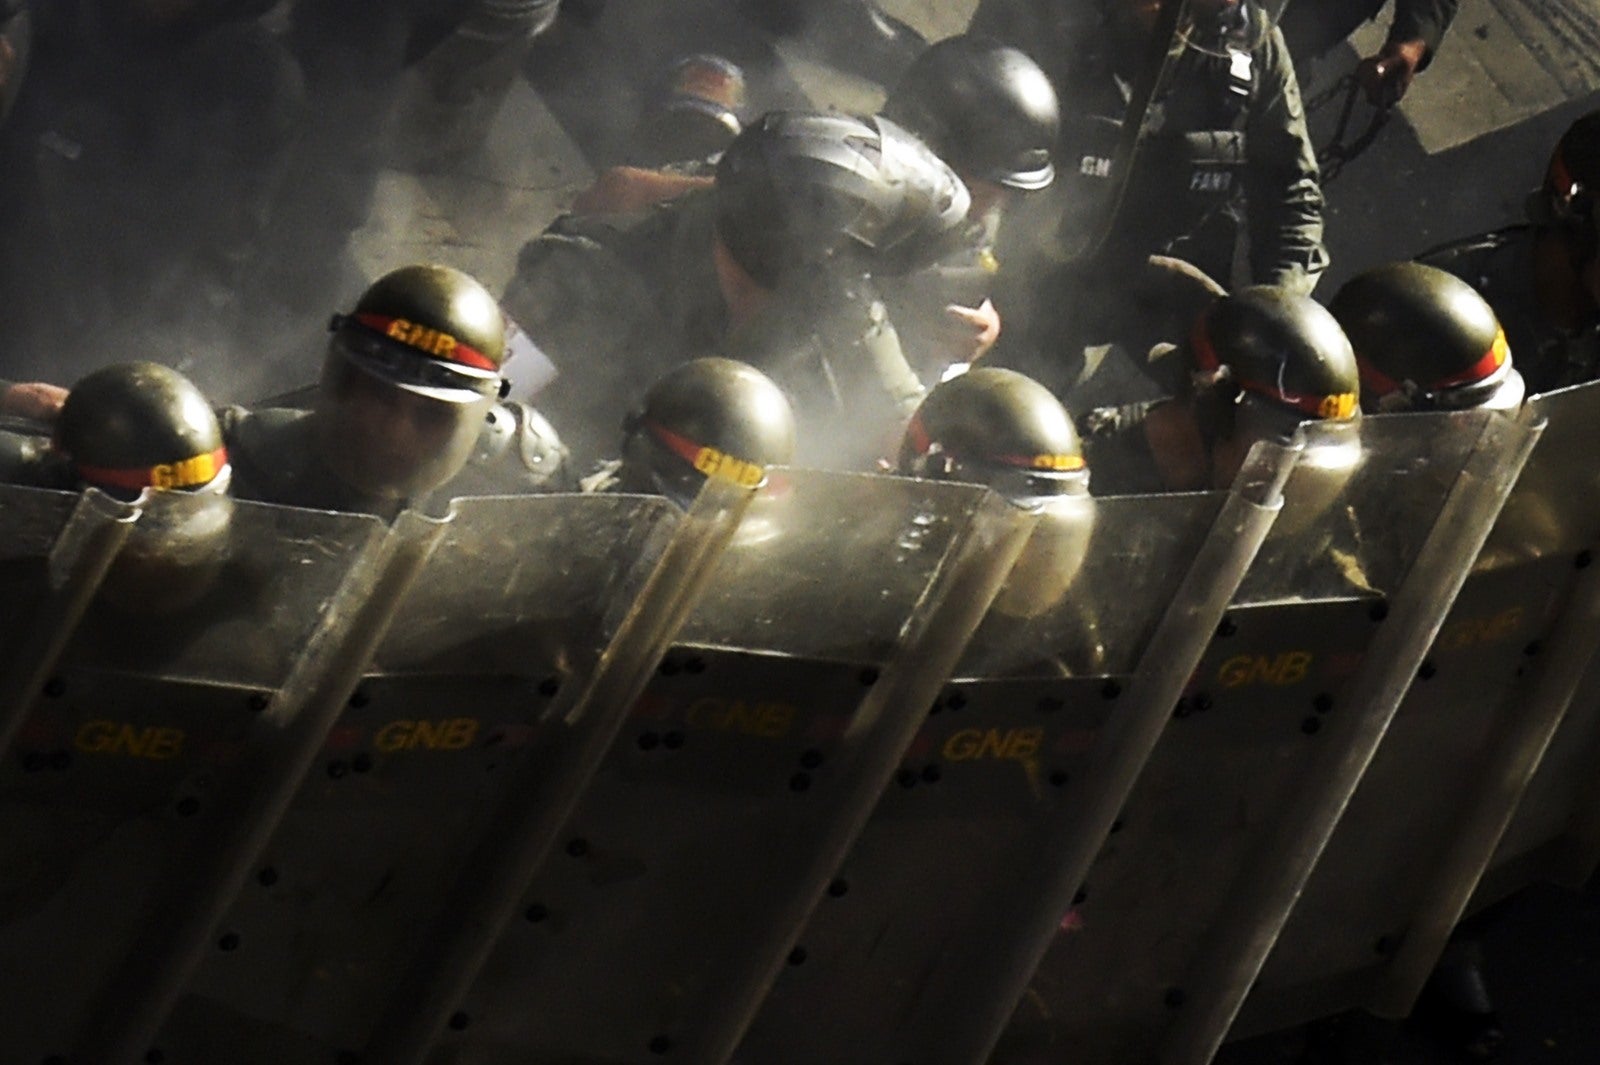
(191, 472)
(1055, 463)
(435, 343)
(1492, 360)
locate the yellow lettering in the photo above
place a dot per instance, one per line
(1290, 667)
(445, 734)
(155, 742)
(713, 463)
(1342, 405)
(971, 744)
(1057, 462)
(767, 720)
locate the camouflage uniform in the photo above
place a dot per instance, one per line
(1500, 266)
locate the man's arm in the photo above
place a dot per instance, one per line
(34, 400)
(1283, 185)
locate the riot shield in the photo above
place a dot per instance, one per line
(58, 547)
(980, 827)
(504, 624)
(1221, 804)
(722, 812)
(1465, 741)
(1553, 832)
(143, 730)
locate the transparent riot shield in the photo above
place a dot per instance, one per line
(57, 548)
(1463, 745)
(1148, 959)
(1556, 828)
(144, 730)
(930, 891)
(474, 687)
(722, 812)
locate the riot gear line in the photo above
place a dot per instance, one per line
(815, 484)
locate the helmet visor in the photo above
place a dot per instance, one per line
(386, 440)
(404, 367)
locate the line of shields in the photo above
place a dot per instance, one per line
(850, 769)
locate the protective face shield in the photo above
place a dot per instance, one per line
(409, 377)
(389, 441)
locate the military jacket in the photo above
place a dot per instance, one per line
(1227, 136)
(615, 301)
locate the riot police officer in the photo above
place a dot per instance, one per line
(1543, 278)
(1255, 365)
(1424, 340)
(408, 380)
(122, 429)
(770, 266)
(1225, 136)
(999, 428)
(991, 113)
(709, 417)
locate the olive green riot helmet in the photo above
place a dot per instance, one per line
(986, 108)
(1000, 428)
(1283, 351)
(709, 417)
(798, 189)
(1566, 200)
(139, 425)
(408, 380)
(1425, 340)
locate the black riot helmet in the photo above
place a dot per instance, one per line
(1000, 428)
(1282, 351)
(409, 378)
(139, 425)
(1566, 199)
(986, 108)
(1425, 340)
(797, 189)
(710, 417)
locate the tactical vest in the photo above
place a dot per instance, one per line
(1188, 170)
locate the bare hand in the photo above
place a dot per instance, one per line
(1387, 75)
(973, 329)
(34, 400)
